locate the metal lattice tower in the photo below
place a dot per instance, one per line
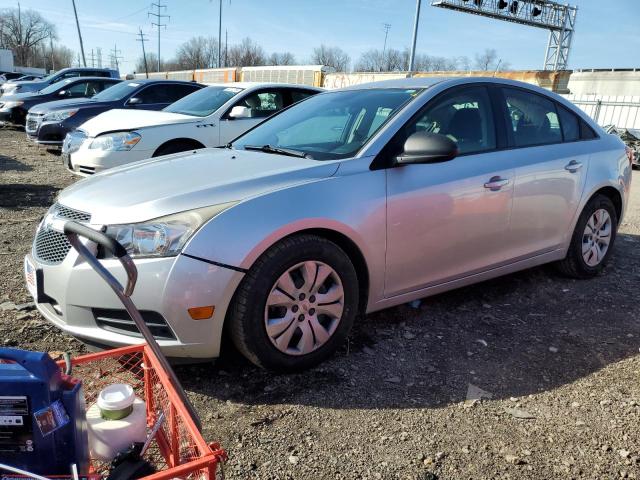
(558, 19)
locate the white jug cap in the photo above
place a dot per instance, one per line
(116, 397)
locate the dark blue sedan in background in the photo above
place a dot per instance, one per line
(48, 123)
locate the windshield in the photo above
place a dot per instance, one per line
(203, 102)
(55, 87)
(117, 92)
(329, 126)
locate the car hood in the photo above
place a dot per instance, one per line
(65, 104)
(161, 186)
(118, 120)
(19, 97)
(28, 85)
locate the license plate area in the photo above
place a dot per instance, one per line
(34, 279)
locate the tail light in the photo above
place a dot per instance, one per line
(630, 154)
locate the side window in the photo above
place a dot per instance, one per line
(81, 89)
(263, 104)
(177, 91)
(72, 74)
(533, 118)
(299, 95)
(154, 94)
(570, 124)
(100, 73)
(464, 115)
(586, 132)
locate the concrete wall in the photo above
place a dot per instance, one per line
(601, 82)
(554, 81)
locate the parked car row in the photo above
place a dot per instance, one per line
(320, 206)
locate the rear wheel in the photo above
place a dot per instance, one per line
(296, 305)
(592, 240)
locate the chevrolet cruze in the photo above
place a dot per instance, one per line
(352, 201)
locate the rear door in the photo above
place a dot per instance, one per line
(261, 104)
(551, 167)
(449, 220)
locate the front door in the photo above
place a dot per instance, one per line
(448, 220)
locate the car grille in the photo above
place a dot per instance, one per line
(119, 321)
(73, 141)
(50, 246)
(33, 123)
(86, 170)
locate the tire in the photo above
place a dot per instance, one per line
(574, 264)
(175, 147)
(253, 307)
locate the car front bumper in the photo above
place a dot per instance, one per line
(49, 134)
(86, 161)
(72, 294)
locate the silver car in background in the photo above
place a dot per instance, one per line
(352, 201)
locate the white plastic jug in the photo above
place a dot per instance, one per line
(115, 421)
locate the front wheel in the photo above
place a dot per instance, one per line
(296, 305)
(592, 240)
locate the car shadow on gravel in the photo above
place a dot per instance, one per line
(517, 335)
(8, 164)
(24, 195)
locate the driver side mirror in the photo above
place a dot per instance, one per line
(134, 101)
(240, 112)
(427, 147)
(63, 93)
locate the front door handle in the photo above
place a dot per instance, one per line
(496, 183)
(573, 166)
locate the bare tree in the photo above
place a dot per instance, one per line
(23, 32)
(331, 57)
(284, 58)
(246, 54)
(152, 62)
(488, 60)
(197, 52)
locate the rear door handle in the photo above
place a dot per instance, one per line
(573, 166)
(496, 183)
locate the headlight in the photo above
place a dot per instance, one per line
(11, 104)
(119, 141)
(59, 116)
(163, 237)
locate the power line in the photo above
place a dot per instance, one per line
(142, 39)
(159, 16)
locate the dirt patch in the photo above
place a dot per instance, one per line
(527, 376)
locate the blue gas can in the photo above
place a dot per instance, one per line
(43, 425)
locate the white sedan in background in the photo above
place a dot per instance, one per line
(209, 117)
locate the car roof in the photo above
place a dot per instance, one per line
(247, 85)
(161, 80)
(81, 79)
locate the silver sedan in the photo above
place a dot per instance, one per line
(352, 201)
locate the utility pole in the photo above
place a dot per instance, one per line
(115, 57)
(75, 12)
(142, 39)
(53, 61)
(387, 27)
(220, 37)
(159, 16)
(226, 46)
(92, 57)
(412, 59)
(99, 55)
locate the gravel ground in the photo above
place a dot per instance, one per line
(527, 376)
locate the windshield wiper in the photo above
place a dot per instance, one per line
(279, 151)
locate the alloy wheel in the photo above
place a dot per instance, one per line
(304, 308)
(596, 237)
